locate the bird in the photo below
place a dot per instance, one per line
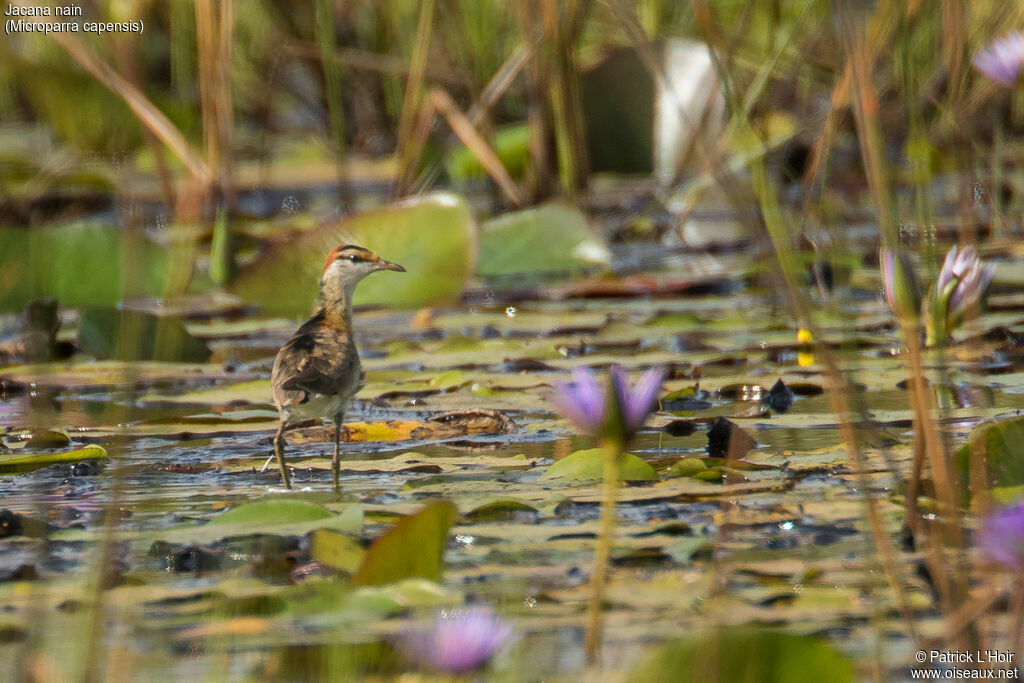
(317, 371)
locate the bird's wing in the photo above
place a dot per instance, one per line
(315, 377)
(311, 363)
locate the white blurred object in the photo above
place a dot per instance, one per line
(689, 112)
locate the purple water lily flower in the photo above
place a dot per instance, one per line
(899, 284)
(1001, 537)
(639, 401)
(1002, 60)
(459, 641)
(617, 412)
(582, 401)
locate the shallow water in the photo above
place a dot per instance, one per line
(782, 539)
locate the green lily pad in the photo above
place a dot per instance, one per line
(587, 467)
(281, 517)
(687, 467)
(511, 144)
(131, 335)
(505, 509)
(37, 438)
(414, 592)
(335, 550)
(24, 462)
(552, 238)
(273, 512)
(745, 653)
(250, 391)
(79, 264)
(1002, 445)
(413, 547)
(432, 237)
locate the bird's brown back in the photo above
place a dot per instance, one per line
(320, 358)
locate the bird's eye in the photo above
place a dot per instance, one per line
(352, 257)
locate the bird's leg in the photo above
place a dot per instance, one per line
(279, 452)
(336, 462)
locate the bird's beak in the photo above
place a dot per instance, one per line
(388, 265)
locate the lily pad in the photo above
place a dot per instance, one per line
(746, 654)
(587, 467)
(273, 512)
(23, 462)
(432, 237)
(284, 517)
(413, 547)
(503, 509)
(552, 238)
(511, 146)
(78, 265)
(687, 467)
(1002, 445)
(131, 335)
(335, 550)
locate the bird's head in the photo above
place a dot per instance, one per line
(345, 266)
(348, 264)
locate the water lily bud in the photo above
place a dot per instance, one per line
(961, 287)
(900, 284)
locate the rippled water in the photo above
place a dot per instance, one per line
(785, 544)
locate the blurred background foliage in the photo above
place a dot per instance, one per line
(288, 116)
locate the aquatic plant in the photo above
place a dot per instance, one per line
(459, 641)
(612, 416)
(899, 284)
(615, 414)
(1002, 59)
(1001, 537)
(961, 287)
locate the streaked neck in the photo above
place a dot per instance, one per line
(335, 302)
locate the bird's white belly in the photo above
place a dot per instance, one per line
(318, 405)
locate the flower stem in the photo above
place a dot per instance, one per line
(598, 579)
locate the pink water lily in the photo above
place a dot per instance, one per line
(1002, 60)
(617, 412)
(459, 641)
